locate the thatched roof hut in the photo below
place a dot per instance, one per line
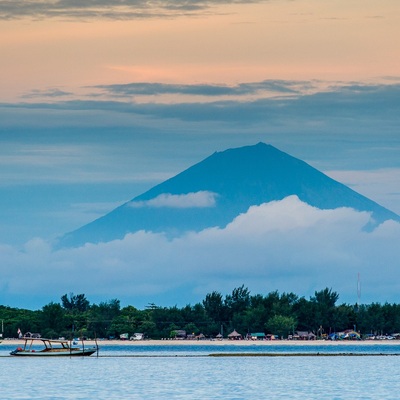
(234, 335)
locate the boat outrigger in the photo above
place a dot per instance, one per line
(52, 348)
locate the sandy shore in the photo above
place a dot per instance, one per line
(227, 342)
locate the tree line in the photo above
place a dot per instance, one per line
(274, 313)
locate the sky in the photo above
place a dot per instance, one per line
(102, 100)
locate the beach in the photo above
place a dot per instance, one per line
(226, 342)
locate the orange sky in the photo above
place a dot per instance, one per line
(302, 39)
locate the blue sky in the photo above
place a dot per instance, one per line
(103, 101)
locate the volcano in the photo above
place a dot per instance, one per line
(216, 190)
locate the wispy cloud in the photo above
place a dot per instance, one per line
(106, 9)
(202, 199)
(243, 89)
(280, 94)
(285, 245)
(337, 101)
(47, 93)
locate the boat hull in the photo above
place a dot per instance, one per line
(67, 353)
(51, 348)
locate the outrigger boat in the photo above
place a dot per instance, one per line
(52, 348)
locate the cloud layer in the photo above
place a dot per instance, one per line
(285, 245)
(211, 90)
(106, 9)
(316, 105)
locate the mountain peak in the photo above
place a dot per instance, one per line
(219, 188)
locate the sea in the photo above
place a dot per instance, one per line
(207, 372)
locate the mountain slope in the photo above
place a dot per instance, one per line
(216, 190)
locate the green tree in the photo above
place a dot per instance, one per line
(254, 318)
(371, 319)
(214, 306)
(75, 302)
(191, 328)
(304, 312)
(284, 304)
(324, 310)
(101, 317)
(149, 329)
(391, 317)
(129, 320)
(53, 321)
(236, 305)
(15, 318)
(344, 317)
(281, 325)
(239, 300)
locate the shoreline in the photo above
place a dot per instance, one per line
(226, 342)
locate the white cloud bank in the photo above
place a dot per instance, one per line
(201, 199)
(285, 245)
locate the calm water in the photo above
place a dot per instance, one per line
(185, 372)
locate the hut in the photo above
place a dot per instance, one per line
(234, 336)
(257, 336)
(180, 334)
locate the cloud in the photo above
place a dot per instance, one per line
(106, 9)
(210, 90)
(50, 93)
(200, 199)
(284, 245)
(313, 107)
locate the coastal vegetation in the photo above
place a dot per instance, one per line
(273, 313)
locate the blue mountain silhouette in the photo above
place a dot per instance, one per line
(219, 188)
